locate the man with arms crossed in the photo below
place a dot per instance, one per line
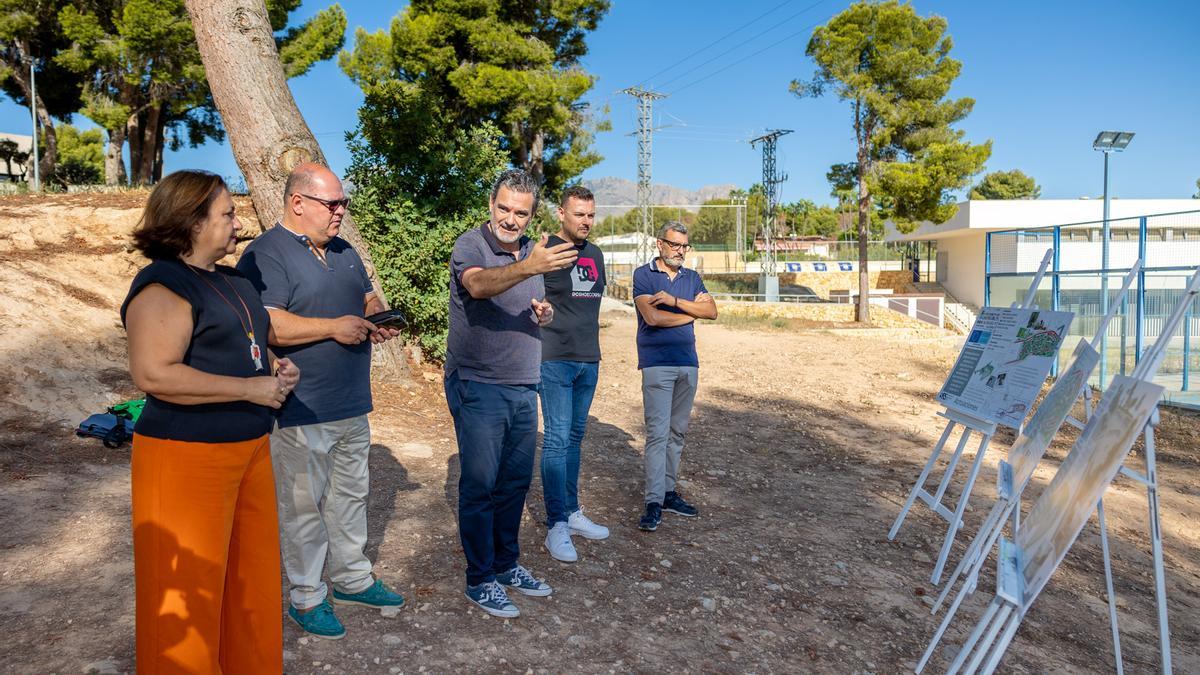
(493, 366)
(570, 366)
(669, 298)
(316, 289)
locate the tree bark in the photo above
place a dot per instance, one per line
(114, 162)
(147, 134)
(862, 310)
(160, 142)
(268, 134)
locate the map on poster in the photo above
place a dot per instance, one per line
(1004, 362)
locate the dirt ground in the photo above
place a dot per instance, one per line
(803, 444)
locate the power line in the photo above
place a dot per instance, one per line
(743, 43)
(744, 58)
(717, 41)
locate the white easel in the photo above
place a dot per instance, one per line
(986, 431)
(1008, 504)
(999, 624)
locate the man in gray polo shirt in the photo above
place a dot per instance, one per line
(493, 367)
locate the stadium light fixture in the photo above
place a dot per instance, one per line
(1112, 141)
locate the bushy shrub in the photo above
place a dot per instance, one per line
(411, 240)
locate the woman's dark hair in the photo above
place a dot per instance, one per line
(177, 203)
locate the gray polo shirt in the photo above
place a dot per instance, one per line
(496, 340)
(335, 379)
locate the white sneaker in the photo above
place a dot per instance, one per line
(580, 525)
(558, 543)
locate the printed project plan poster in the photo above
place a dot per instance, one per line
(1002, 366)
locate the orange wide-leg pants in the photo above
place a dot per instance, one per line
(206, 557)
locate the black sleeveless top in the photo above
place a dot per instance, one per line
(218, 346)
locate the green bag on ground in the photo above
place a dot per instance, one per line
(130, 410)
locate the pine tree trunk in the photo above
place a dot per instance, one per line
(268, 134)
(862, 313)
(114, 162)
(133, 136)
(147, 134)
(160, 141)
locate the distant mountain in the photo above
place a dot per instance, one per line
(611, 191)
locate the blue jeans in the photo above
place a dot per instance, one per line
(496, 427)
(567, 389)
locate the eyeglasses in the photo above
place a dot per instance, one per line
(331, 204)
(674, 246)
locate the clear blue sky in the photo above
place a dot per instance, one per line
(1046, 76)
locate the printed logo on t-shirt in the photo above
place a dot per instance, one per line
(584, 278)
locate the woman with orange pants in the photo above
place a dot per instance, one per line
(205, 533)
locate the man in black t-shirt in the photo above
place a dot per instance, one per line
(570, 366)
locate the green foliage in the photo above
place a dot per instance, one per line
(317, 39)
(805, 219)
(142, 73)
(1007, 185)
(631, 221)
(30, 28)
(448, 64)
(1197, 195)
(80, 156)
(894, 69)
(411, 239)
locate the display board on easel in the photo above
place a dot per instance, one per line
(1025, 566)
(995, 379)
(1005, 361)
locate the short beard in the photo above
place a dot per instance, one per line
(504, 236)
(673, 263)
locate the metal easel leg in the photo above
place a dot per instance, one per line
(1108, 584)
(958, 451)
(963, 498)
(1001, 646)
(1160, 582)
(920, 485)
(989, 639)
(980, 546)
(973, 638)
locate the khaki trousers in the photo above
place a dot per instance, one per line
(321, 479)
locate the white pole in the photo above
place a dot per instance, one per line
(37, 178)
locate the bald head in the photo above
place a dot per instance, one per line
(306, 178)
(314, 203)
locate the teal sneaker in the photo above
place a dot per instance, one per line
(376, 595)
(320, 621)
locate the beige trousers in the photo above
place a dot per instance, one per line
(321, 482)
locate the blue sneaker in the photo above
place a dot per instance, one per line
(520, 580)
(320, 621)
(376, 595)
(676, 504)
(491, 598)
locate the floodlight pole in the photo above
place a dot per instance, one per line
(1104, 243)
(37, 178)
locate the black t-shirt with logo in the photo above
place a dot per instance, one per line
(575, 292)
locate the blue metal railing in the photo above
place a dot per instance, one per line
(1169, 247)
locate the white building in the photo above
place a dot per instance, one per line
(962, 240)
